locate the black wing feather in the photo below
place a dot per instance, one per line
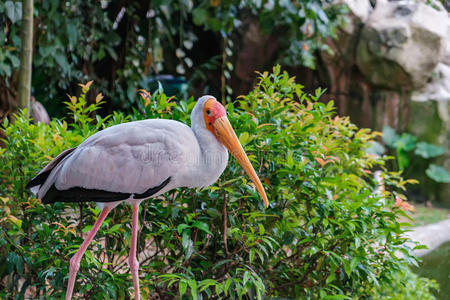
(79, 194)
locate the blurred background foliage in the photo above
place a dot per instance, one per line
(123, 45)
(331, 231)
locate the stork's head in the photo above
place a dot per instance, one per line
(216, 121)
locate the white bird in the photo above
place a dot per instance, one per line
(134, 161)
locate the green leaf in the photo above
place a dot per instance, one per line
(14, 60)
(251, 255)
(438, 174)
(406, 142)
(86, 228)
(427, 150)
(182, 286)
(261, 229)
(193, 285)
(222, 262)
(13, 11)
(243, 138)
(111, 52)
(108, 272)
(330, 278)
(202, 226)
(6, 70)
(182, 227)
(389, 136)
(347, 267)
(353, 263)
(206, 283)
(61, 59)
(290, 159)
(188, 244)
(19, 265)
(72, 33)
(418, 247)
(228, 284)
(246, 277)
(216, 25)
(185, 238)
(131, 92)
(199, 15)
(402, 158)
(375, 148)
(114, 228)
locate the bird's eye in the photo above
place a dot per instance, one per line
(208, 112)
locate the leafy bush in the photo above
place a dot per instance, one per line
(330, 232)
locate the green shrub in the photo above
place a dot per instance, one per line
(330, 232)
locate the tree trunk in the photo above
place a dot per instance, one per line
(26, 54)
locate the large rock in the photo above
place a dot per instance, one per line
(348, 34)
(402, 43)
(358, 12)
(438, 89)
(38, 112)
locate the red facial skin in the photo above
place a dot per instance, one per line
(212, 110)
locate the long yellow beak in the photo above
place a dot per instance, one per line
(227, 136)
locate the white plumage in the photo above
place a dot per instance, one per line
(132, 157)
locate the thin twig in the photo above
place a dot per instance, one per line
(208, 238)
(80, 224)
(227, 268)
(225, 217)
(222, 75)
(261, 164)
(194, 209)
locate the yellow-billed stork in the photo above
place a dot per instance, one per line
(135, 161)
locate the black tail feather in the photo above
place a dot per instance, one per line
(45, 172)
(38, 179)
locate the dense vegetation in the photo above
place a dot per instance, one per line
(330, 231)
(123, 44)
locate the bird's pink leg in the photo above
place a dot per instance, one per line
(75, 260)
(132, 260)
